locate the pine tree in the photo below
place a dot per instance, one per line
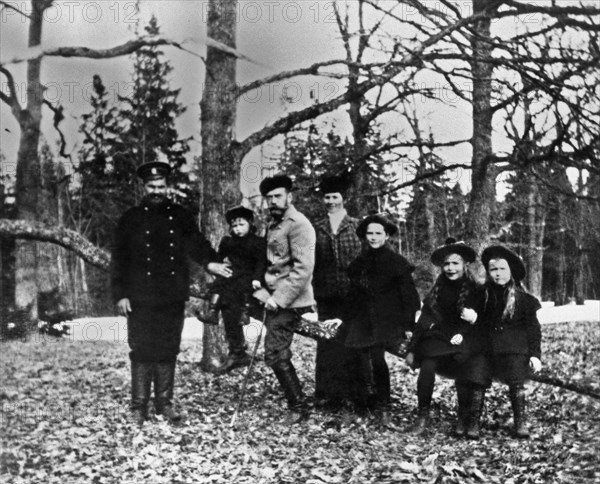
(149, 115)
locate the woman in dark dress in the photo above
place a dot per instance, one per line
(441, 340)
(337, 246)
(381, 308)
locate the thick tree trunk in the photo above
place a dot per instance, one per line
(28, 178)
(220, 169)
(536, 216)
(483, 178)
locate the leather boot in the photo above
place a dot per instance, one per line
(164, 380)
(517, 399)
(233, 361)
(292, 389)
(368, 392)
(422, 421)
(141, 380)
(245, 315)
(212, 316)
(237, 356)
(475, 409)
(463, 395)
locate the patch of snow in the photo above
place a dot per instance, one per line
(589, 311)
(114, 328)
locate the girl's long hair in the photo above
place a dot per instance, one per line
(467, 284)
(509, 296)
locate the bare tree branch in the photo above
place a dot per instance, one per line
(303, 71)
(124, 49)
(12, 7)
(11, 99)
(69, 239)
(57, 118)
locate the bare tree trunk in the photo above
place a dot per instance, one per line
(220, 169)
(483, 179)
(535, 236)
(28, 168)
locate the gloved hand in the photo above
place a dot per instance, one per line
(456, 339)
(469, 315)
(535, 364)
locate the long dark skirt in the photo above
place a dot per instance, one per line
(154, 332)
(334, 364)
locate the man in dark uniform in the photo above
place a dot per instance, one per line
(150, 284)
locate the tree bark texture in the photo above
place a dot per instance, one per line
(28, 180)
(536, 216)
(483, 174)
(220, 169)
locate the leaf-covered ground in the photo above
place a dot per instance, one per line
(64, 405)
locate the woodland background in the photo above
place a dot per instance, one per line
(524, 71)
(475, 119)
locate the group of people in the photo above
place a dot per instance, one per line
(345, 269)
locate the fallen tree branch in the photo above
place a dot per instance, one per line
(72, 240)
(67, 238)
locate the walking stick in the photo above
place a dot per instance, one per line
(247, 377)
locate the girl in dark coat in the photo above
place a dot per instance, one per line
(247, 255)
(381, 308)
(510, 320)
(441, 340)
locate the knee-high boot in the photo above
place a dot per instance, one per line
(292, 389)
(164, 380)
(517, 399)
(477, 398)
(141, 380)
(463, 395)
(368, 390)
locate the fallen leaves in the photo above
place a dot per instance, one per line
(64, 405)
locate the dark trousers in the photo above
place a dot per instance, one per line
(233, 329)
(154, 332)
(280, 327)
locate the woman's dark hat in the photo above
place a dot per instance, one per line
(153, 170)
(516, 264)
(451, 246)
(275, 181)
(388, 226)
(239, 212)
(334, 184)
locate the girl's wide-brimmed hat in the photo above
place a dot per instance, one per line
(451, 246)
(388, 226)
(239, 212)
(516, 264)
